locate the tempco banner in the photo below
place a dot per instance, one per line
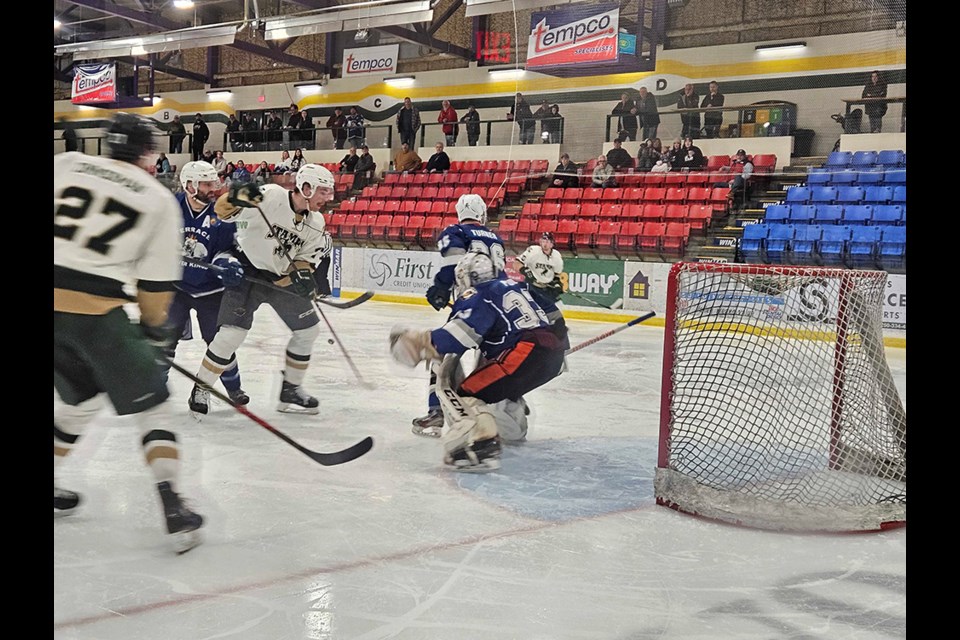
(93, 83)
(368, 61)
(404, 271)
(577, 35)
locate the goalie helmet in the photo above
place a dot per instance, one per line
(315, 176)
(470, 206)
(130, 137)
(197, 171)
(473, 269)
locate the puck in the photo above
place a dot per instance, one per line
(330, 341)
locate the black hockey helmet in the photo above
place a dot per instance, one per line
(130, 137)
(548, 236)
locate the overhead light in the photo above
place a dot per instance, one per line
(309, 87)
(502, 74)
(183, 4)
(361, 35)
(487, 7)
(400, 81)
(56, 23)
(191, 38)
(332, 20)
(151, 99)
(219, 94)
(783, 47)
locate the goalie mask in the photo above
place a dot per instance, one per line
(196, 172)
(473, 269)
(470, 206)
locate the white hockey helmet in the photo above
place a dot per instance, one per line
(473, 269)
(198, 171)
(470, 206)
(315, 176)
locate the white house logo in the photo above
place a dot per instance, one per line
(555, 39)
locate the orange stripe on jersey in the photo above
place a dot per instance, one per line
(498, 369)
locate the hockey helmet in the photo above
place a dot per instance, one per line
(130, 137)
(314, 175)
(196, 172)
(473, 269)
(548, 237)
(470, 206)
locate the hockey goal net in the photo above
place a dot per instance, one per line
(779, 410)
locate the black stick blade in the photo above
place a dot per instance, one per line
(346, 455)
(363, 297)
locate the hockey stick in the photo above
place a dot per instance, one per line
(343, 350)
(607, 334)
(363, 297)
(617, 304)
(326, 459)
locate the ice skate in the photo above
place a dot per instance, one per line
(479, 457)
(293, 399)
(183, 525)
(429, 425)
(199, 401)
(239, 397)
(64, 502)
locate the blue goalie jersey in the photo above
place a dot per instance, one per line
(492, 316)
(205, 237)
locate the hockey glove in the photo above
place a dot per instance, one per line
(438, 297)
(301, 283)
(244, 194)
(527, 275)
(231, 273)
(410, 347)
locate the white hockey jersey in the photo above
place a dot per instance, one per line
(303, 241)
(113, 225)
(544, 268)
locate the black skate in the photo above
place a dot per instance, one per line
(429, 425)
(199, 399)
(182, 524)
(480, 457)
(293, 399)
(64, 502)
(239, 397)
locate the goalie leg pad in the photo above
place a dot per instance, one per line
(470, 439)
(511, 418)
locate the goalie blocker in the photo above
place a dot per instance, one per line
(519, 351)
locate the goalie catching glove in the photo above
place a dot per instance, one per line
(410, 347)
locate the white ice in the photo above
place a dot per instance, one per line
(565, 542)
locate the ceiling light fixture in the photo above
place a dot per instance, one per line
(56, 23)
(400, 81)
(183, 4)
(503, 74)
(784, 47)
(308, 88)
(219, 94)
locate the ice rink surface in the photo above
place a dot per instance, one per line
(564, 542)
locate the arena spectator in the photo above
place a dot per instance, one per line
(366, 168)
(407, 159)
(337, 123)
(712, 119)
(448, 116)
(603, 174)
(472, 121)
(566, 174)
(439, 162)
(691, 120)
(408, 123)
(349, 162)
(646, 104)
(627, 123)
(618, 158)
(356, 131)
(521, 114)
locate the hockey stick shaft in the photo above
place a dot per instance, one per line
(326, 459)
(607, 334)
(343, 350)
(586, 299)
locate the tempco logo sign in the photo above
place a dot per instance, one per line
(573, 36)
(370, 60)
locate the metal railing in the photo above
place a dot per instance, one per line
(901, 100)
(734, 130)
(310, 139)
(496, 132)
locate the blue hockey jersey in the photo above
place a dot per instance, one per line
(458, 239)
(492, 316)
(205, 238)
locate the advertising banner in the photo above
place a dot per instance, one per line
(94, 83)
(577, 35)
(370, 61)
(400, 271)
(336, 271)
(597, 281)
(895, 302)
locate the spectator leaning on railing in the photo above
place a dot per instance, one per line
(472, 121)
(448, 116)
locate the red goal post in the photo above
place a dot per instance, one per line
(778, 408)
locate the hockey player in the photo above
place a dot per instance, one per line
(296, 224)
(541, 266)
(115, 225)
(208, 240)
(469, 234)
(519, 352)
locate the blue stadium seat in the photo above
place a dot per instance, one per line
(869, 178)
(877, 195)
(779, 239)
(893, 178)
(857, 214)
(805, 241)
(819, 178)
(797, 195)
(839, 159)
(828, 214)
(849, 195)
(863, 159)
(751, 244)
(778, 213)
(899, 195)
(802, 213)
(891, 158)
(823, 195)
(862, 248)
(892, 248)
(887, 215)
(841, 178)
(833, 244)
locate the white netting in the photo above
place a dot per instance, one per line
(783, 413)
